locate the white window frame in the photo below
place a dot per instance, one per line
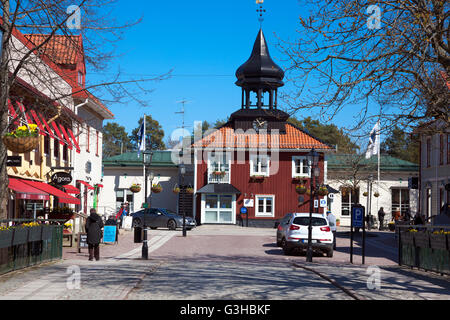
(302, 173)
(222, 166)
(264, 214)
(256, 157)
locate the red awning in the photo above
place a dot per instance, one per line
(66, 136)
(71, 189)
(49, 130)
(86, 184)
(25, 191)
(62, 196)
(58, 133)
(38, 122)
(75, 143)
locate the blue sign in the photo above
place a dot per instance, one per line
(358, 216)
(244, 210)
(109, 234)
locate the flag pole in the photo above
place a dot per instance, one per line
(379, 157)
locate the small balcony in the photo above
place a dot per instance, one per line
(219, 177)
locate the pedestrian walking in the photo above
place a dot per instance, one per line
(381, 215)
(94, 225)
(332, 222)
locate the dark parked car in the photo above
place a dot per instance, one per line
(161, 218)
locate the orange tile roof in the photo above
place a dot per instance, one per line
(294, 138)
(61, 49)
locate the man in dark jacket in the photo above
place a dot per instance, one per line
(94, 225)
(381, 218)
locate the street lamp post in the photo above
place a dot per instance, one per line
(313, 158)
(146, 176)
(183, 172)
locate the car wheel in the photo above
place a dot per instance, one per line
(279, 243)
(153, 228)
(137, 223)
(330, 253)
(287, 251)
(172, 225)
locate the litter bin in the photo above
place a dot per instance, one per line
(138, 234)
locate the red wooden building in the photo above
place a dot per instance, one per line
(257, 158)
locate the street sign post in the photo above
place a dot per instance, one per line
(357, 221)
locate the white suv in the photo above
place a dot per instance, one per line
(296, 236)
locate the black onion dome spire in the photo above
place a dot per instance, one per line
(260, 70)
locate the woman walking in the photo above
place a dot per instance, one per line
(94, 225)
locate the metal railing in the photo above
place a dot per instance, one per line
(22, 247)
(422, 248)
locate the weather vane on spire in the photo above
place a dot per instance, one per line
(261, 11)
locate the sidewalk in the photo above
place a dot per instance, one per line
(107, 251)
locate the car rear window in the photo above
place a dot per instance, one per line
(304, 221)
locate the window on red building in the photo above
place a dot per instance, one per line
(87, 138)
(96, 143)
(428, 152)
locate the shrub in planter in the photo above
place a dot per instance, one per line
(6, 237)
(47, 232)
(438, 240)
(391, 226)
(20, 235)
(35, 234)
(407, 237)
(422, 239)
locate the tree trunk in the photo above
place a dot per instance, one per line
(4, 95)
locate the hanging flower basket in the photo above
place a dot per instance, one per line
(190, 190)
(135, 188)
(300, 189)
(376, 194)
(157, 188)
(22, 140)
(176, 190)
(323, 191)
(365, 194)
(6, 237)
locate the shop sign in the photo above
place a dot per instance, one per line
(61, 178)
(13, 161)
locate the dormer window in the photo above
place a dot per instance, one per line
(80, 78)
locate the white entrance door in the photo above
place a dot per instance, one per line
(218, 208)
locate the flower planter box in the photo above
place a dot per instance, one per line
(6, 237)
(35, 234)
(391, 226)
(438, 241)
(47, 233)
(407, 238)
(257, 178)
(22, 144)
(20, 236)
(422, 239)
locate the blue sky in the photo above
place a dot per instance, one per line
(204, 42)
